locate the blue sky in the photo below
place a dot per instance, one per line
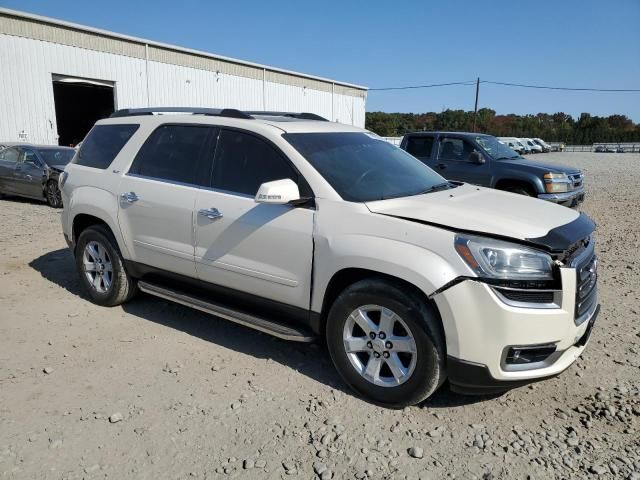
(576, 43)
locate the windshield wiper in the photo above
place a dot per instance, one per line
(508, 158)
(435, 188)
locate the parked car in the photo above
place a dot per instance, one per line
(32, 171)
(513, 144)
(305, 229)
(482, 160)
(534, 147)
(544, 145)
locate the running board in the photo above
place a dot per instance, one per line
(271, 327)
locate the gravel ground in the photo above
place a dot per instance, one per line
(156, 390)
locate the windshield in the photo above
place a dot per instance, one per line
(56, 156)
(494, 148)
(363, 167)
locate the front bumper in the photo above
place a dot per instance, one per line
(471, 378)
(480, 327)
(568, 199)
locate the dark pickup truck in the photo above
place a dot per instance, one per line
(482, 160)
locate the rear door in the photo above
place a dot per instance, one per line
(158, 194)
(8, 161)
(259, 249)
(421, 147)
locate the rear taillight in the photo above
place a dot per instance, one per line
(62, 179)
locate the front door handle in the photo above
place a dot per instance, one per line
(129, 197)
(442, 166)
(210, 213)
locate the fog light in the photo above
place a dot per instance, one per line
(526, 355)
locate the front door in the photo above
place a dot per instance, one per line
(454, 162)
(260, 249)
(158, 195)
(29, 174)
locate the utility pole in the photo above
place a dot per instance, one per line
(475, 112)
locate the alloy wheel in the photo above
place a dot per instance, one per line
(97, 266)
(379, 345)
(53, 194)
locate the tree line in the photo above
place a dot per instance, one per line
(556, 127)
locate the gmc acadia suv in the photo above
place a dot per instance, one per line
(302, 228)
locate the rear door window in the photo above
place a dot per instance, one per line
(9, 156)
(244, 162)
(103, 143)
(177, 153)
(420, 147)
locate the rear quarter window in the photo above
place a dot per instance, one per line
(103, 143)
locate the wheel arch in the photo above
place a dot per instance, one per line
(506, 183)
(346, 277)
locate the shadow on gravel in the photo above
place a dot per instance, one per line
(311, 360)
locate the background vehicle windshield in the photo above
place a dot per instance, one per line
(56, 156)
(494, 148)
(363, 167)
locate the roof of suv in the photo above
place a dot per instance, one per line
(284, 121)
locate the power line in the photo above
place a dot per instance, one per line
(473, 82)
(564, 88)
(468, 82)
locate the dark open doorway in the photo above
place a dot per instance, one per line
(78, 105)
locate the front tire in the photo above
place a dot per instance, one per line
(520, 191)
(53, 195)
(386, 343)
(101, 268)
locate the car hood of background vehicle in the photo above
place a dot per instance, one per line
(492, 212)
(547, 167)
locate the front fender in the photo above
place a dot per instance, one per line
(423, 268)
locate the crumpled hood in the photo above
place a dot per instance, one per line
(481, 210)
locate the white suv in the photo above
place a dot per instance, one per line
(303, 228)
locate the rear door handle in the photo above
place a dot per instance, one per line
(210, 213)
(442, 166)
(129, 197)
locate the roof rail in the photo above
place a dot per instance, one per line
(215, 112)
(299, 115)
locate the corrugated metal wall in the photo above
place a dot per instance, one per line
(30, 53)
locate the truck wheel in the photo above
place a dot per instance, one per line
(101, 268)
(386, 343)
(519, 190)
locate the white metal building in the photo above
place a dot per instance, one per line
(57, 78)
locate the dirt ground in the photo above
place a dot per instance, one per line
(156, 390)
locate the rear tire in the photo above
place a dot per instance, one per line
(52, 194)
(101, 268)
(388, 374)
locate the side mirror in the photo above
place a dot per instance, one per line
(278, 192)
(476, 157)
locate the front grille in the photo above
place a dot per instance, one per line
(527, 296)
(586, 282)
(576, 180)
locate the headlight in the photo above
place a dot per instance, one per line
(500, 260)
(556, 182)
